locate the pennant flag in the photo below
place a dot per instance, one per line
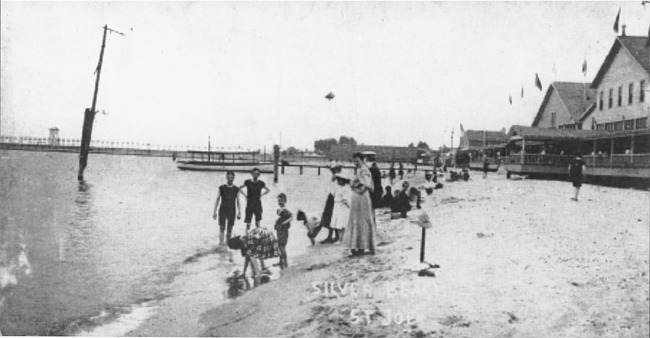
(510, 99)
(584, 67)
(538, 83)
(618, 16)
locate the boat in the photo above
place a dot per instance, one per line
(238, 161)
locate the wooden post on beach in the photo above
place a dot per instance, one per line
(276, 159)
(424, 236)
(301, 170)
(319, 171)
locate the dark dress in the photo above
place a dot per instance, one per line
(575, 172)
(375, 196)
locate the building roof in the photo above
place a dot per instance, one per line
(490, 136)
(575, 96)
(554, 134)
(635, 45)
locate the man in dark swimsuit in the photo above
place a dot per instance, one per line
(253, 196)
(228, 197)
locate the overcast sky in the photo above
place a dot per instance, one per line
(255, 74)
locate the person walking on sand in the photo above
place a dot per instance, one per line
(341, 212)
(282, 225)
(253, 196)
(576, 173)
(361, 230)
(228, 205)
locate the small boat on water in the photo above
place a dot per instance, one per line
(239, 161)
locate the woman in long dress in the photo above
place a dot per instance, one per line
(361, 230)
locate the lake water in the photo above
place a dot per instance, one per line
(76, 258)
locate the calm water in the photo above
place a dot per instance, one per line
(77, 256)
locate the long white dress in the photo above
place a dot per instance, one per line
(361, 230)
(341, 213)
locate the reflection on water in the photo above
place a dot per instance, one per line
(238, 283)
(13, 258)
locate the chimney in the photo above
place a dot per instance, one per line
(623, 34)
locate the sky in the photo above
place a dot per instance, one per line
(254, 74)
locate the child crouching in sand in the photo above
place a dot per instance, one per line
(282, 225)
(257, 244)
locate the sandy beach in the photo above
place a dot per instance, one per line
(517, 259)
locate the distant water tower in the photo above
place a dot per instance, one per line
(54, 136)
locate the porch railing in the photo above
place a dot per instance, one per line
(607, 161)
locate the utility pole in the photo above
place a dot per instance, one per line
(89, 114)
(451, 151)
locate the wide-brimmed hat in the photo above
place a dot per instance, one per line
(342, 177)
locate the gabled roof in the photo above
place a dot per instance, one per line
(635, 45)
(490, 136)
(575, 96)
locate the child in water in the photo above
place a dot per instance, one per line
(282, 225)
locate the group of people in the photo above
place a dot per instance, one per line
(349, 213)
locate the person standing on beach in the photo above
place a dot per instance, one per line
(326, 217)
(253, 196)
(282, 225)
(378, 192)
(401, 171)
(486, 165)
(228, 197)
(576, 170)
(341, 212)
(391, 173)
(361, 230)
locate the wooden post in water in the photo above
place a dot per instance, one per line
(89, 114)
(276, 159)
(301, 170)
(319, 171)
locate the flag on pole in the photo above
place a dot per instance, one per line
(538, 83)
(584, 67)
(618, 16)
(510, 99)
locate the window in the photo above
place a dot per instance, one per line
(611, 98)
(629, 124)
(600, 102)
(608, 126)
(553, 119)
(618, 125)
(630, 94)
(600, 126)
(642, 91)
(642, 123)
(620, 95)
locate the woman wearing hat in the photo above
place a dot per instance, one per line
(361, 230)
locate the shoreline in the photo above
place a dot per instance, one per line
(517, 259)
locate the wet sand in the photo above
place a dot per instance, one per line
(517, 259)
